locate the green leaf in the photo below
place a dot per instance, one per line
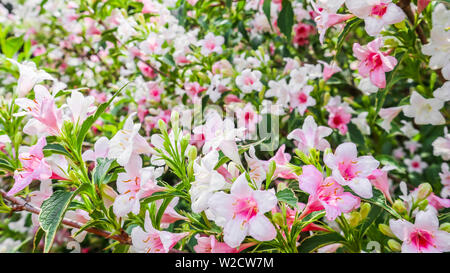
(377, 199)
(389, 160)
(57, 149)
(314, 242)
(37, 238)
(285, 19)
(87, 124)
(350, 26)
(355, 135)
(375, 212)
(52, 213)
(101, 170)
(266, 9)
(5, 165)
(11, 46)
(287, 196)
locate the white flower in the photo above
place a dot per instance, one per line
(408, 130)
(81, 107)
(424, 111)
(280, 90)
(29, 76)
(361, 123)
(211, 44)
(415, 164)
(443, 93)
(441, 146)
(207, 181)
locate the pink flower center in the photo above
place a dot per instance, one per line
(415, 164)
(246, 208)
(347, 170)
(302, 98)
(210, 45)
(249, 80)
(379, 10)
(248, 116)
(374, 60)
(421, 239)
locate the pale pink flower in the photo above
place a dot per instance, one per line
(249, 81)
(349, 169)
(34, 167)
(101, 148)
(325, 194)
(243, 209)
(327, 17)
(398, 153)
(373, 62)
(282, 169)
(210, 44)
(415, 164)
(146, 70)
(46, 117)
(310, 136)
(193, 89)
(445, 180)
(376, 13)
(441, 146)
(170, 215)
(211, 245)
(80, 107)
(301, 99)
(424, 111)
(151, 240)
(329, 69)
(379, 179)
(423, 236)
(248, 118)
(38, 197)
(133, 185)
(388, 114)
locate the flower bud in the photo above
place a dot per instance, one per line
(399, 206)
(445, 227)
(108, 195)
(424, 191)
(394, 245)
(364, 210)
(192, 153)
(423, 204)
(386, 230)
(278, 219)
(271, 170)
(355, 218)
(233, 169)
(162, 125)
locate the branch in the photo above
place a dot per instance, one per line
(405, 5)
(20, 204)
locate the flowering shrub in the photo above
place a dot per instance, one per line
(224, 126)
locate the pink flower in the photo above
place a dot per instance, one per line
(373, 62)
(415, 164)
(146, 70)
(300, 98)
(325, 194)
(151, 240)
(211, 44)
(376, 13)
(193, 89)
(211, 245)
(170, 215)
(310, 136)
(301, 33)
(339, 118)
(282, 169)
(388, 114)
(100, 150)
(379, 178)
(249, 81)
(422, 4)
(34, 166)
(29, 76)
(154, 91)
(329, 69)
(46, 117)
(248, 118)
(136, 183)
(349, 169)
(423, 236)
(326, 17)
(243, 210)
(38, 197)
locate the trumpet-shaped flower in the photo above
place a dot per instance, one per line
(81, 107)
(29, 76)
(423, 236)
(424, 111)
(46, 117)
(325, 194)
(34, 167)
(133, 185)
(243, 209)
(310, 136)
(248, 81)
(211, 245)
(373, 62)
(210, 44)
(300, 98)
(151, 240)
(349, 169)
(127, 143)
(376, 13)
(207, 181)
